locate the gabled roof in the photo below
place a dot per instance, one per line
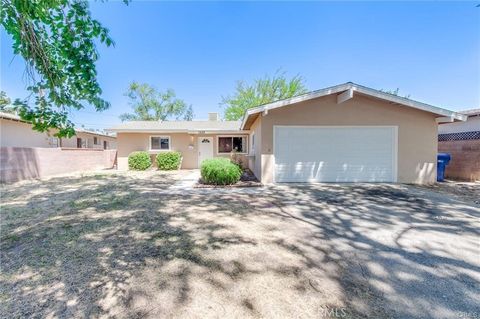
(81, 130)
(177, 126)
(11, 116)
(471, 112)
(353, 88)
(14, 117)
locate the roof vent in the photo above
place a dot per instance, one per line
(213, 116)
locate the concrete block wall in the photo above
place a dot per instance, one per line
(465, 162)
(20, 163)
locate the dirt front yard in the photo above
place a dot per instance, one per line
(131, 245)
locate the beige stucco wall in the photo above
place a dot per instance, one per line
(131, 142)
(20, 134)
(417, 131)
(19, 163)
(255, 161)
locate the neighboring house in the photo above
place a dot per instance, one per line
(344, 133)
(14, 132)
(90, 139)
(462, 141)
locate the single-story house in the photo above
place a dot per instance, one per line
(462, 141)
(196, 140)
(344, 133)
(15, 132)
(89, 139)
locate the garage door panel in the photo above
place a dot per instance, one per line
(334, 154)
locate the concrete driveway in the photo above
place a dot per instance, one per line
(416, 252)
(138, 245)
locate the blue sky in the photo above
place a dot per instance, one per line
(430, 50)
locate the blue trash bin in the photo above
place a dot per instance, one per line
(442, 161)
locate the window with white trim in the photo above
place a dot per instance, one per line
(159, 143)
(227, 144)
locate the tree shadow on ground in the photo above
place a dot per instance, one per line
(400, 255)
(72, 246)
(126, 246)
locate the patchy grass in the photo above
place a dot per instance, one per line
(124, 245)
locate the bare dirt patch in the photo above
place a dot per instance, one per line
(126, 245)
(467, 191)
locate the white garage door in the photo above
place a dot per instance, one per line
(335, 154)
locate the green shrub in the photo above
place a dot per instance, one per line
(236, 159)
(168, 160)
(139, 161)
(220, 171)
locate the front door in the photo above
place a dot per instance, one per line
(205, 149)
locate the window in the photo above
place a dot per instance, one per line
(105, 145)
(95, 140)
(53, 142)
(227, 144)
(158, 143)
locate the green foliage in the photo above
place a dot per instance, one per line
(220, 171)
(5, 103)
(262, 91)
(149, 104)
(4, 100)
(167, 161)
(56, 38)
(139, 161)
(188, 114)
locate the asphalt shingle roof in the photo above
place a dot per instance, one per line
(145, 126)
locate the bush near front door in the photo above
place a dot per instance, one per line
(220, 171)
(169, 161)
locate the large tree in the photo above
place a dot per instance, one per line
(5, 103)
(150, 104)
(56, 38)
(261, 91)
